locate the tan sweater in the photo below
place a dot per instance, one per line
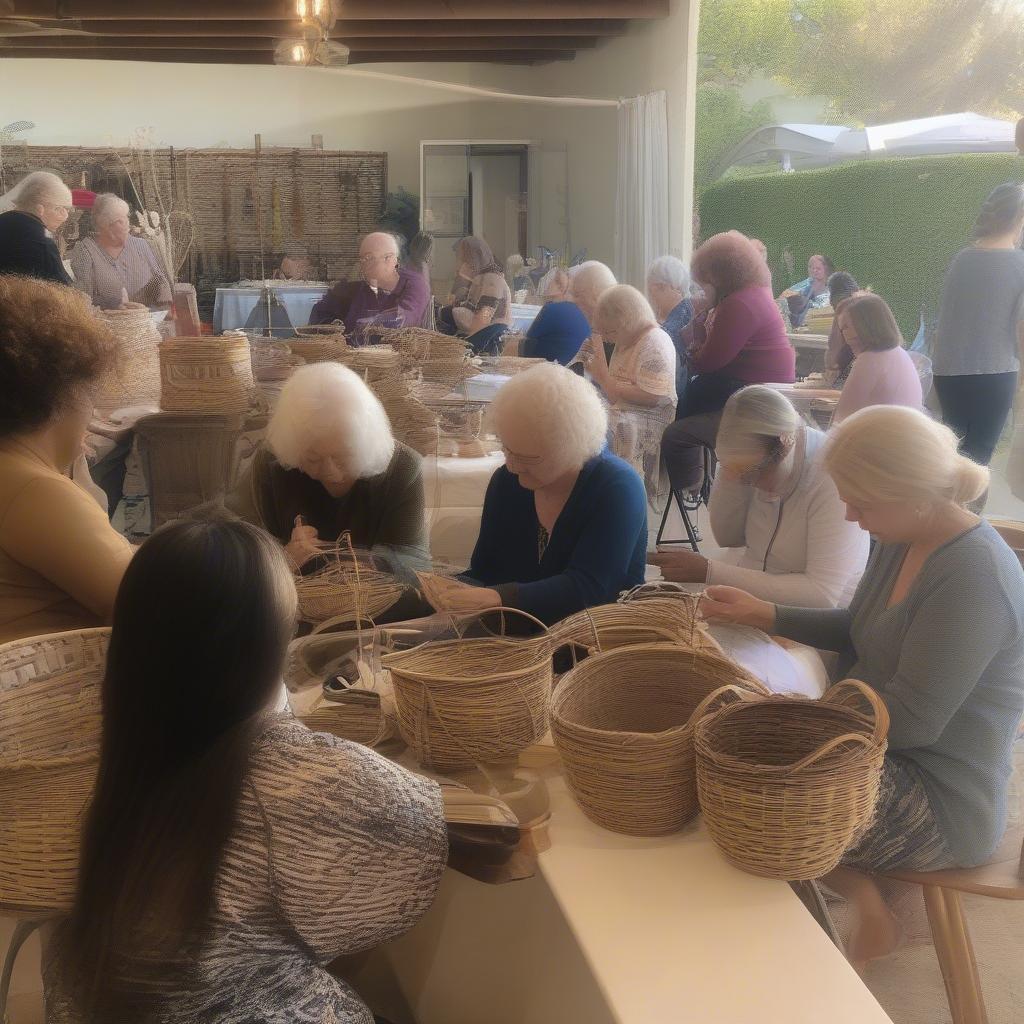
(61, 561)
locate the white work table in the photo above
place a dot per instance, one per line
(616, 930)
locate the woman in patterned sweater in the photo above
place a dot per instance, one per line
(229, 854)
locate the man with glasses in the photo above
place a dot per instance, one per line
(387, 294)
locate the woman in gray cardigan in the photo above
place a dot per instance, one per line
(937, 628)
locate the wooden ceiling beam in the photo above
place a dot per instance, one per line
(370, 10)
(348, 28)
(408, 44)
(186, 56)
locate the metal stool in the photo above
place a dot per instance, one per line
(703, 495)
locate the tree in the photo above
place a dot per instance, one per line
(722, 122)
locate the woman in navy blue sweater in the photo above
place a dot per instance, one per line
(564, 523)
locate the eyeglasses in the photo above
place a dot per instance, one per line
(374, 258)
(522, 460)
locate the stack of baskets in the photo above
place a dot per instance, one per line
(206, 375)
(134, 379)
(473, 700)
(50, 726)
(788, 784)
(623, 722)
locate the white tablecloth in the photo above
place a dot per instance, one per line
(232, 306)
(454, 492)
(523, 315)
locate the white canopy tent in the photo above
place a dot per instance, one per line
(796, 146)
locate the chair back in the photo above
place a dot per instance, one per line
(190, 460)
(50, 727)
(1012, 531)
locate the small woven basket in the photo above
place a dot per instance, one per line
(343, 592)
(472, 700)
(650, 621)
(135, 377)
(328, 348)
(49, 753)
(623, 723)
(788, 784)
(206, 375)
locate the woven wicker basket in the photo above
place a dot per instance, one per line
(638, 622)
(326, 349)
(135, 377)
(206, 375)
(49, 754)
(472, 700)
(342, 592)
(623, 722)
(788, 784)
(509, 366)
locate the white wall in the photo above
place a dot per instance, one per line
(93, 103)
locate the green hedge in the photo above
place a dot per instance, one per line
(893, 224)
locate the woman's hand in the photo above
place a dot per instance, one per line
(305, 543)
(460, 598)
(729, 604)
(681, 566)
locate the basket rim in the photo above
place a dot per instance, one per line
(573, 679)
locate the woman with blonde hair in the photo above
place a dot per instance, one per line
(564, 523)
(639, 382)
(775, 510)
(936, 627)
(882, 372)
(40, 204)
(331, 464)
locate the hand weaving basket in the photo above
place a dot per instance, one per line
(345, 592)
(638, 622)
(788, 784)
(206, 375)
(135, 377)
(49, 752)
(472, 700)
(623, 722)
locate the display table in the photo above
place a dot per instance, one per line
(616, 930)
(232, 306)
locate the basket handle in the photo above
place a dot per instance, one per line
(851, 692)
(723, 697)
(466, 620)
(825, 748)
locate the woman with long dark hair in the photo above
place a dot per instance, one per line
(228, 853)
(977, 346)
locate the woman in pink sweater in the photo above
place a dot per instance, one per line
(882, 372)
(739, 340)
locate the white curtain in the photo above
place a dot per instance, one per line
(641, 199)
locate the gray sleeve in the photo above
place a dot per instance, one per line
(952, 635)
(825, 628)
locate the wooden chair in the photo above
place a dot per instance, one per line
(1013, 533)
(1001, 879)
(189, 460)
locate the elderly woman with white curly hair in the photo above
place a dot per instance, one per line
(113, 266)
(668, 288)
(39, 205)
(639, 381)
(331, 464)
(564, 523)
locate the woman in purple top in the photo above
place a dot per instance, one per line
(739, 339)
(387, 295)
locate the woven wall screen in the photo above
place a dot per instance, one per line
(317, 202)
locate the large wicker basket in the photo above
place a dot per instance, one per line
(134, 379)
(206, 375)
(49, 754)
(638, 622)
(623, 722)
(472, 700)
(788, 784)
